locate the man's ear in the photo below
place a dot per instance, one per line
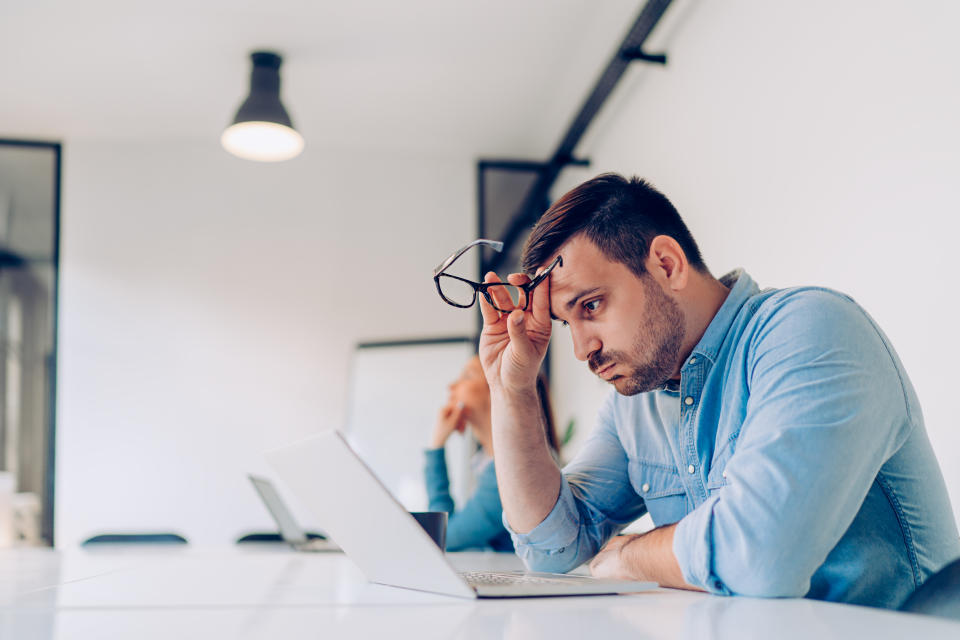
(668, 263)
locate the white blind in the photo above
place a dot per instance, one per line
(396, 391)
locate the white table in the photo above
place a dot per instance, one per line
(259, 592)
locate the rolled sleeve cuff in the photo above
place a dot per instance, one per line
(554, 534)
(693, 548)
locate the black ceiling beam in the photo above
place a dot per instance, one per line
(631, 49)
(508, 164)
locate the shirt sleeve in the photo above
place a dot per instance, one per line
(827, 408)
(478, 521)
(596, 501)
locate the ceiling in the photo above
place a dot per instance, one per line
(483, 77)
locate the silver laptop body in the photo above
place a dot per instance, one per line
(290, 531)
(385, 541)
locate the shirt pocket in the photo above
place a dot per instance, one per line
(661, 490)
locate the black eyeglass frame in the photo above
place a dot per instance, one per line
(483, 287)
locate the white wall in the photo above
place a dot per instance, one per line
(811, 142)
(209, 307)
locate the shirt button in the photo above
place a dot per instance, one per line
(688, 400)
(692, 360)
(691, 469)
(645, 487)
(724, 474)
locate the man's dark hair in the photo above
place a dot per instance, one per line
(620, 216)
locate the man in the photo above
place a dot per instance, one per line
(773, 436)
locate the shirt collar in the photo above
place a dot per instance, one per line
(742, 288)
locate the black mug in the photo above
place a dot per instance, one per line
(435, 524)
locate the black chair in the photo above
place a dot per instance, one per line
(134, 538)
(260, 537)
(274, 537)
(939, 595)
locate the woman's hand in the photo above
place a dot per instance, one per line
(451, 418)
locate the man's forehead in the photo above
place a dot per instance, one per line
(563, 273)
(571, 279)
(580, 259)
(585, 271)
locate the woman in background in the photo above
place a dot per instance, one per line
(478, 523)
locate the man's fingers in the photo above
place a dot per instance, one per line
(500, 296)
(516, 327)
(490, 315)
(595, 565)
(540, 302)
(519, 279)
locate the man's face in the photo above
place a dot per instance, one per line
(627, 329)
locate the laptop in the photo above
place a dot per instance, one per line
(290, 531)
(387, 543)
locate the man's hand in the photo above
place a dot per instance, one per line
(513, 345)
(646, 557)
(610, 562)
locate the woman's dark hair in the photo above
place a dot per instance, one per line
(620, 216)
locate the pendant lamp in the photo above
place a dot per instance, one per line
(262, 129)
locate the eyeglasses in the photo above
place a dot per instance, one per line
(460, 292)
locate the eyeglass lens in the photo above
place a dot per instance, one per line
(462, 293)
(500, 291)
(456, 290)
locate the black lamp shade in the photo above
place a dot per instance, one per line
(263, 104)
(262, 129)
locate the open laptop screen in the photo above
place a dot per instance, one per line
(289, 529)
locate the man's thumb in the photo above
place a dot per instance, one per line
(518, 333)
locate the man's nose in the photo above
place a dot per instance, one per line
(584, 344)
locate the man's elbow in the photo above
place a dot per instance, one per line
(764, 583)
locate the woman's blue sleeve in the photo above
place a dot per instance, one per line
(480, 520)
(438, 485)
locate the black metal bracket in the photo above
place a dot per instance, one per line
(638, 54)
(529, 165)
(631, 49)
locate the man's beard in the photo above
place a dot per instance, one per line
(660, 335)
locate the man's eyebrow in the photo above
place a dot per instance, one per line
(572, 302)
(585, 292)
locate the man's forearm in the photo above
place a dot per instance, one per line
(527, 475)
(650, 557)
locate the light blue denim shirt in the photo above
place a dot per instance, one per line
(792, 453)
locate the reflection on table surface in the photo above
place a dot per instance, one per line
(276, 593)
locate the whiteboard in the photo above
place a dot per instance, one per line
(396, 390)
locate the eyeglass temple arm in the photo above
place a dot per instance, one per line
(537, 277)
(496, 245)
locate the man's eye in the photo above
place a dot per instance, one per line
(591, 305)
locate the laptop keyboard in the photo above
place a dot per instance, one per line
(497, 578)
